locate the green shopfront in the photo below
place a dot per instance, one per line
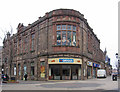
(64, 68)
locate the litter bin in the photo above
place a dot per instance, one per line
(114, 77)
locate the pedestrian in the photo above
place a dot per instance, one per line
(25, 76)
(7, 77)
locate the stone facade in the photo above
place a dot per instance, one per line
(29, 50)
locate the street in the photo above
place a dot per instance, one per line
(90, 84)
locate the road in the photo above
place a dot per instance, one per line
(90, 84)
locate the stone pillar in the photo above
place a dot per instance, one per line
(35, 67)
(28, 70)
(82, 70)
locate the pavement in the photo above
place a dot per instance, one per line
(89, 84)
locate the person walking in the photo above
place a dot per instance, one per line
(25, 76)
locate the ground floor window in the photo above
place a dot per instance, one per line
(89, 71)
(25, 68)
(94, 72)
(19, 69)
(32, 68)
(14, 69)
(64, 72)
(42, 69)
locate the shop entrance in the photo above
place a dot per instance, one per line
(64, 72)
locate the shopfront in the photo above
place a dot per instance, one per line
(64, 68)
(89, 69)
(95, 67)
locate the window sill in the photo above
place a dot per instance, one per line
(63, 46)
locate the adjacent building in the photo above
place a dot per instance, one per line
(0, 60)
(58, 46)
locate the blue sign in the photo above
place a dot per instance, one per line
(96, 65)
(66, 60)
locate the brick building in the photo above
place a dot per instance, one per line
(60, 45)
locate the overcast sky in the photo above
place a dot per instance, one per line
(102, 16)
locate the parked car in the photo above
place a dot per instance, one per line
(101, 73)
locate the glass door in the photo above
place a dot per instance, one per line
(66, 72)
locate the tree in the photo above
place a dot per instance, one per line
(7, 50)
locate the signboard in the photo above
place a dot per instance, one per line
(89, 63)
(64, 61)
(42, 75)
(96, 65)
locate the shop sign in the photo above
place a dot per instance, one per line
(42, 59)
(64, 61)
(96, 65)
(89, 63)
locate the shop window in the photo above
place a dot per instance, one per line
(32, 68)
(19, 69)
(42, 63)
(25, 68)
(42, 69)
(14, 69)
(58, 38)
(63, 37)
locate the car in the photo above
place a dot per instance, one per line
(101, 73)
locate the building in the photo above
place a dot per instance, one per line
(0, 60)
(108, 66)
(58, 46)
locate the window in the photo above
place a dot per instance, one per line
(74, 38)
(19, 69)
(58, 27)
(32, 68)
(42, 69)
(58, 38)
(69, 38)
(14, 69)
(26, 41)
(25, 68)
(63, 27)
(68, 27)
(63, 37)
(32, 41)
(74, 28)
(42, 63)
(67, 35)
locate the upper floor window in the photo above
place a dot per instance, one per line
(58, 38)
(67, 35)
(63, 27)
(32, 41)
(69, 27)
(74, 28)
(58, 27)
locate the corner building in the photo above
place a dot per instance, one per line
(58, 46)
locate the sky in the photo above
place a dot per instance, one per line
(102, 16)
